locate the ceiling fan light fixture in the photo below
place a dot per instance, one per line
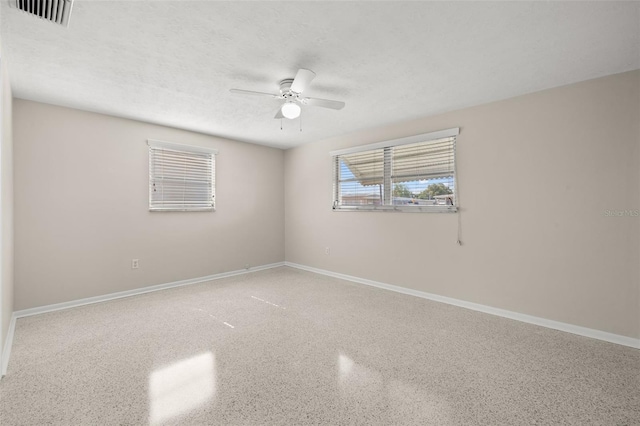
(291, 110)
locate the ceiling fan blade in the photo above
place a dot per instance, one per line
(302, 80)
(279, 114)
(252, 93)
(324, 103)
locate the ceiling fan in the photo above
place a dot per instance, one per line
(291, 92)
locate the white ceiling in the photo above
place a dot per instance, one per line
(173, 62)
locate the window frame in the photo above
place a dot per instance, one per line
(185, 149)
(387, 146)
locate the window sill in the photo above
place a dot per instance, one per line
(404, 209)
(174, 209)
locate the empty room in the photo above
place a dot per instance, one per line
(322, 213)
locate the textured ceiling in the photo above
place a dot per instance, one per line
(173, 62)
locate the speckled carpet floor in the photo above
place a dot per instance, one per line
(284, 346)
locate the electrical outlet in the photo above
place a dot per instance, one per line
(327, 251)
(246, 266)
(134, 264)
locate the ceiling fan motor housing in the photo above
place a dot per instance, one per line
(285, 87)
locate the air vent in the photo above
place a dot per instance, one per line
(56, 11)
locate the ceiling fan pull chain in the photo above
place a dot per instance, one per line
(300, 122)
(281, 124)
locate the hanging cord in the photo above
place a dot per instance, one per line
(300, 122)
(459, 241)
(281, 124)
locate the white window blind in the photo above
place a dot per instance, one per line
(409, 174)
(181, 177)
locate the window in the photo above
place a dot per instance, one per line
(181, 177)
(409, 174)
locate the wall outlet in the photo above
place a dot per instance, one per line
(134, 264)
(246, 266)
(327, 251)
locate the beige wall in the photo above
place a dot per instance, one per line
(6, 207)
(536, 174)
(547, 249)
(81, 208)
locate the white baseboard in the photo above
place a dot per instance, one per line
(6, 349)
(556, 325)
(97, 299)
(134, 292)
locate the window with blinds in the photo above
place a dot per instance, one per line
(417, 173)
(181, 177)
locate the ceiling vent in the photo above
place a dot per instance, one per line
(56, 11)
